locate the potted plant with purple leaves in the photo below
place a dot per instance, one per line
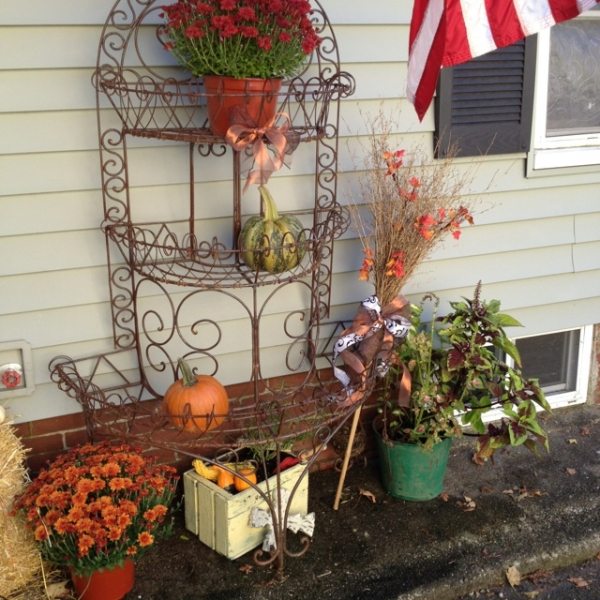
(448, 375)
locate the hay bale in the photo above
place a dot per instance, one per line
(19, 557)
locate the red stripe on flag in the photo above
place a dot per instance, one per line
(504, 22)
(457, 44)
(563, 10)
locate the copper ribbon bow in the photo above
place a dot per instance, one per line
(270, 143)
(371, 337)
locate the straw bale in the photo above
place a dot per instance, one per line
(19, 558)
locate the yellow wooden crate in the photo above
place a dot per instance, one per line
(221, 519)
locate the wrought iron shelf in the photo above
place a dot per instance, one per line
(154, 324)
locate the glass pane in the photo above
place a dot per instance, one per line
(574, 78)
(552, 359)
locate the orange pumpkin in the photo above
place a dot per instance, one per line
(196, 403)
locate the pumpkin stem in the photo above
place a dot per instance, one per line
(187, 377)
(269, 207)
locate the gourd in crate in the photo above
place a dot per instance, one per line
(272, 242)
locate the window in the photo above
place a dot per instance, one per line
(566, 129)
(561, 362)
(540, 95)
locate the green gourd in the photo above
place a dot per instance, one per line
(272, 242)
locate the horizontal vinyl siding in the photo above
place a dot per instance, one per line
(535, 244)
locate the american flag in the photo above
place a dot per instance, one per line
(448, 32)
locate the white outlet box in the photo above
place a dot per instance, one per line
(15, 358)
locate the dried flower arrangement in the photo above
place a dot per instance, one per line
(411, 205)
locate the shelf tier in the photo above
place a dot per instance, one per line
(172, 108)
(157, 251)
(309, 405)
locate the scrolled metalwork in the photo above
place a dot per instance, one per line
(162, 272)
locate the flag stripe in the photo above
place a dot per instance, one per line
(448, 32)
(421, 43)
(534, 16)
(477, 24)
(504, 22)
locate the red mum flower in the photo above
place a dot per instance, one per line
(264, 43)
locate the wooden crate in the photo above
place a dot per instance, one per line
(221, 519)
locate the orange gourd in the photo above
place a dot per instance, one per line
(225, 479)
(196, 403)
(249, 473)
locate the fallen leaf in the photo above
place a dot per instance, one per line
(538, 575)
(184, 537)
(532, 594)
(486, 489)
(368, 494)
(58, 590)
(579, 582)
(585, 431)
(509, 492)
(444, 497)
(467, 504)
(246, 569)
(572, 441)
(513, 576)
(570, 471)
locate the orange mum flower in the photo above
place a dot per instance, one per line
(40, 533)
(63, 526)
(115, 533)
(120, 483)
(112, 469)
(84, 544)
(145, 538)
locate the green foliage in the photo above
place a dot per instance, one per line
(456, 376)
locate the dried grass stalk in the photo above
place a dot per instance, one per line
(19, 558)
(411, 204)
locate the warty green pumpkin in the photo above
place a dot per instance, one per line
(272, 242)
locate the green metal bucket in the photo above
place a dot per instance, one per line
(410, 472)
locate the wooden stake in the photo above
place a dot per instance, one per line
(338, 494)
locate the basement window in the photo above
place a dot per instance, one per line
(561, 362)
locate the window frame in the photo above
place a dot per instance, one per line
(584, 362)
(556, 152)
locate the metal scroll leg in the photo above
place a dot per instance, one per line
(338, 494)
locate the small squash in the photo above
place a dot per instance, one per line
(249, 472)
(196, 403)
(272, 242)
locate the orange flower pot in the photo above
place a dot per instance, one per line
(105, 584)
(257, 97)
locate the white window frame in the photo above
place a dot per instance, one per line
(557, 151)
(584, 362)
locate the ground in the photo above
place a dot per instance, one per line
(379, 548)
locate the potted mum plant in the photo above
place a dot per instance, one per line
(94, 509)
(241, 50)
(448, 374)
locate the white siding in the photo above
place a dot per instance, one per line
(535, 245)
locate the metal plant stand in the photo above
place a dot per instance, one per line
(175, 290)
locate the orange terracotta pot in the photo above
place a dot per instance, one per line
(257, 97)
(105, 584)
